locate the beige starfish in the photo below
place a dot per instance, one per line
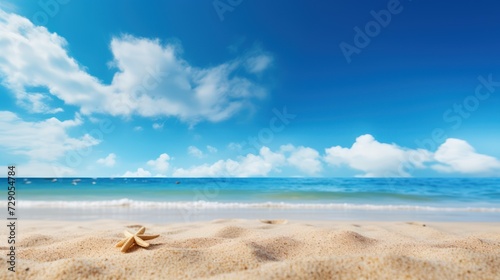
(131, 239)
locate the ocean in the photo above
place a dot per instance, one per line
(194, 199)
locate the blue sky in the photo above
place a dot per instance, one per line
(250, 88)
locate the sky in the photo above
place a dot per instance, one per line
(239, 88)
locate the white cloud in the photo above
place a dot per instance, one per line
(258, 63)
(33, 57)
(211, 149)
(218, 169)
(234, 146)
(160, 164)
(46, 140)
(195, 152)
(377, 159)
(158, 126)
(250, 165)
(47, 145)
(151, 80)
(304, 158)
(373, 158)
(139, 173)
(109, 161)
(138, 128)
(38, 104)
(456, 155)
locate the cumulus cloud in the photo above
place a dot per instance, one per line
(234, 146)
(34, 58)
(377, 159)
(456, 155)
(151, 79)
(303, 158)
(158, 126)
(195, 152)
(211, 149)
(49, 149)
(247, 166)
(160, 164)
(373, 158)
(108, 161)
(139, 173)
(46, 140)
(39, 102)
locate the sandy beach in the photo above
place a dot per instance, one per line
(257, 249)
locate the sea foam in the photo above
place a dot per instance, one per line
(135, 204)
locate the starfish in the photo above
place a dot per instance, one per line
(131, 239)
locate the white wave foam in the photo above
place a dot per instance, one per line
(128, 203)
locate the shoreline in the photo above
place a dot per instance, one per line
(255, 249)
(159, 215)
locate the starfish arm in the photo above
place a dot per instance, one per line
(128, 244)
(147, 237)
(141, 242)
(119, 244)
(127, 234)
(140, 231)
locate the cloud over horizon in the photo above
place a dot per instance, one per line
(458, 156)
(377, 159)
(108, 161)
(245, 166)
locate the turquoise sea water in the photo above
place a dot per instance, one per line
(304, 198)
